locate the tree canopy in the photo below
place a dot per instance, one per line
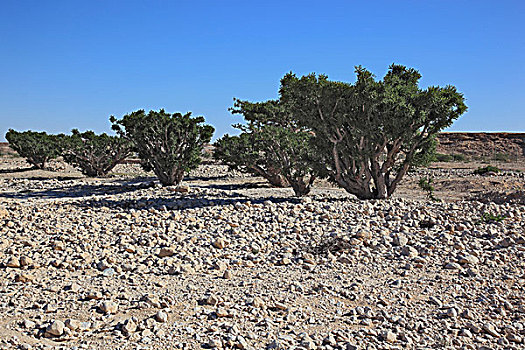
(94, 155)
(169, 144)
(271, 145)
(36, 147)
(369, 133)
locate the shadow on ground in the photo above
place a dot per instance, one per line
(14, 171)
(170, 201)
(207, 178)
(81, 190)
(179, 203)
(234, 186)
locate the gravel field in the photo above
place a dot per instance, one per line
(226, 262)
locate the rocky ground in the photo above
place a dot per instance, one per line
(226, 262)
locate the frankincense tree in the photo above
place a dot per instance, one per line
(368, 134)
(36, 147)
(94, 155)
(271, 145)
(169, 144)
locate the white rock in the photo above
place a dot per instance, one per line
(108, 307)
(55, 329)
(161, 316)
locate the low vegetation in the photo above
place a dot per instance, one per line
(441, 157)
(454, 157)
(487, 170)
(489, 218)
(270, 145)
(94, 155)
(168, 144)
(37, 148)
(501, 157)
(425, 183)
(363, 136)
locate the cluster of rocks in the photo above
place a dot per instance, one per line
(454, 173)
(130, 264)
(516, 197)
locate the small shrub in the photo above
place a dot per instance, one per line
(487, 169)
(454, 157)
(168, 144)
(94, 155)
(458, 157)
(425, 183)
(36, 147)
(501, 157)
(489, 218)
(440, 157)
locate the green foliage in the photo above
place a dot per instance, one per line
(169, 144)
(425, 183)
(454, 157)
(458, 157)
(489, 218)
(36, 147)
(242, 153)
(270, 145)
(501, 157)
(425, 155)
(487, 169)
(368, 134)
(94, 155)
(441, 157)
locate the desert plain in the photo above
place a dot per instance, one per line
(227, 262)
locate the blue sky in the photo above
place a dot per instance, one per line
(72, 64)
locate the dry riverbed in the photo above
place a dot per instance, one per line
(227, 262)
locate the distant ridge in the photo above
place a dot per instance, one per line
(483, 144)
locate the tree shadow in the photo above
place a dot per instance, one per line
(88, 193)
(96, 194)
(82, 190)
(178, 202)
(14, 171)
(207, 178)
(44, 178)
(235, 186)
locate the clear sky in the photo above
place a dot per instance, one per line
(71, 64)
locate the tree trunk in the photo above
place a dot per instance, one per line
(172, 178)
(300, 187)
(271, 175)
(360, 190)
(363, 194)
(381, 191)
(402, 171)
(276, 180)
(90, 172)
(37, 164)
(179, 176)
